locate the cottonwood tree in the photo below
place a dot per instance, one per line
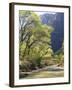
(34, 37)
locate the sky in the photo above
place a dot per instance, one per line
(40, 13)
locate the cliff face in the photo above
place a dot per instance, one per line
(57, 22)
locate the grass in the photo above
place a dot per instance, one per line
(46, 74)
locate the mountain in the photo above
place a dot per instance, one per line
(57, 22)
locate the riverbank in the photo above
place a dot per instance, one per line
(47, 72)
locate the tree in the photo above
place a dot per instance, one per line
(34, 37)
(59, 56)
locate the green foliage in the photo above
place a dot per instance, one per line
(35, 42)
(59, 56)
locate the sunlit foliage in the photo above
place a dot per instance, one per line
(35, 42)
